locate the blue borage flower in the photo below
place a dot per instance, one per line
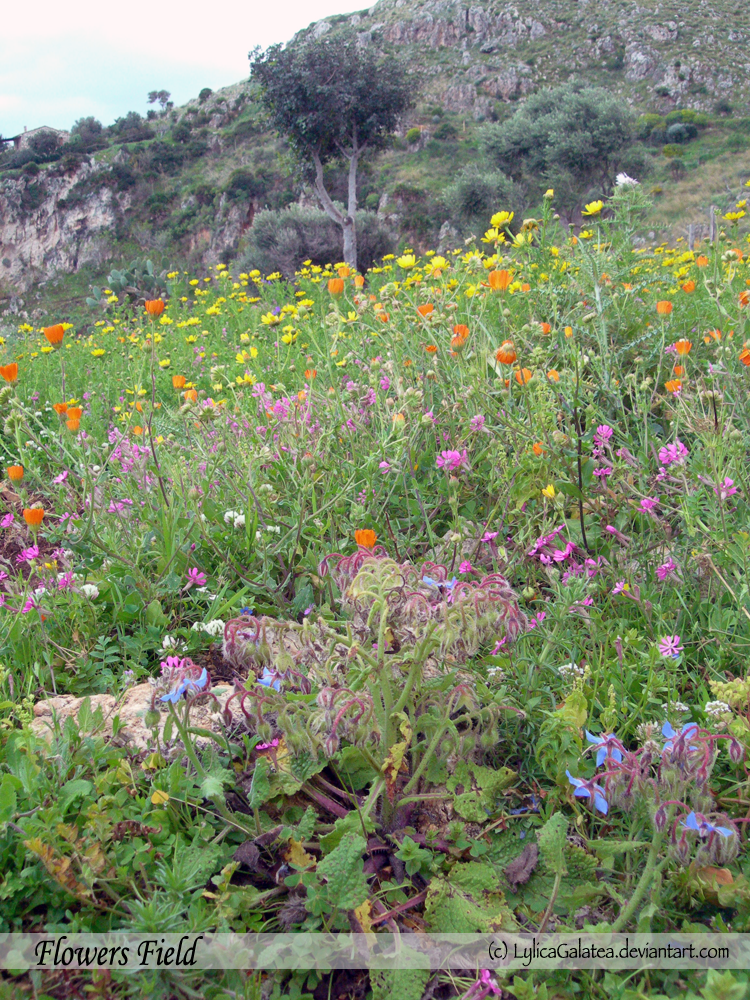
(699, 823)
(607, 746)
(672, 736)
(186, 685)
(587, 790)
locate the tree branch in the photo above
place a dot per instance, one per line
(325, 199)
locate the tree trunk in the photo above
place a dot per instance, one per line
(350, 223)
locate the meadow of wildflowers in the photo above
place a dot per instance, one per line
(448, 552)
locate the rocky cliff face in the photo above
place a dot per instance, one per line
(40, 234)
(475, 54)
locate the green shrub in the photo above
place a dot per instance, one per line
(413, 135)
(476, 193)
(671, 150)
(645, 125)
(244, 185)
(445, 131)
(282, 240)
(205, 94)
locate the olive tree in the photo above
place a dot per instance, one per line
(572, 138)
(333, 100)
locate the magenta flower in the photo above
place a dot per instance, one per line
(196, 578)
(28, 555)
(669, 646)
(603, 472)
(619, 587)
(452, 460)
(477, 423)
(648, 503)
(7, 521)
(666, 569)
(603, 433)
(61, 478)
(385, 383)
(725, 489)
(489, 535)
(466, 567)
(385, 467)
(65, 582)
(673, 454)
(28, 606)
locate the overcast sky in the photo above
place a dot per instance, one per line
(60, 61)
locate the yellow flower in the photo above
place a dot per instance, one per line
(164, 363)
(268, 319)
(501, 219)
(733, 216)
(593, 208)
(406, 261)
(98, 352)
(549, 491)
(549, 194)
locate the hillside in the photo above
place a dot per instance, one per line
(185, 186)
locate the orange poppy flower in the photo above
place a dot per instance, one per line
(664, 308)
(673, 385)
(745, 357)
(737, 253)
(311, 373)
(54, 334)
(137, 430)
(744, 298)
(546, 328)
(523, 376)
(701, 261)
(15, 473)
(343, 271)
(499, 280)
(553, 374)
(75, 412)
(525, 287)
(9, 372)
(154, 307)
(336, 286)
(73, 424)
(178, 381)
(537, 448)
(689, 286)
(506, 353)
(460, 336)
(678, 370)
(425, 309)
(365, 537)
(627, 286)
(384, 317)
(431, 349)
(683, 347)
(60, 408)
(33, 516)
(190, 396)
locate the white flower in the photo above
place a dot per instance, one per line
(90, 590)
(623, 180)
(214, 627)
(675, 706)
(205, 592)
(235, 518)
(571, 668)
(496, 673)
(273, 528)
(717, 708)
(170, 642)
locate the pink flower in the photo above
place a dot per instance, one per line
(477, 423)
(452, 460)
(537, 619)
(603, 433)
(725, 489)
(619, 587)
(466, 567)
(603, 472)
(666, 569)
(385, 383)
(673, 454)
(385, 467)
(65, 582)
(7, 521)
(669, 646)
(499, 645)
(195, 577)
(61, 478)
(28, 606)
(28, 555)
(648, 503)
(622, 539)
(489, 535)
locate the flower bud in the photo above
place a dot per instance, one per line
(660, 819)
(736, 752)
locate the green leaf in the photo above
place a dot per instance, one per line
(8, 801)
(552, 839)
(74, 789)
(723, 986)
(155, 615)
(343, 870)
(351, 823)
(260, 787)
(406, 984)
